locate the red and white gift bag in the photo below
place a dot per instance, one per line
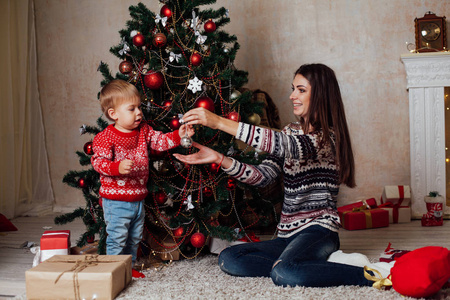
(54, 242)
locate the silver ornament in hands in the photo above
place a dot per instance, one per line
(186, 141)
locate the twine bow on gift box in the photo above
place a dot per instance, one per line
(80, 265)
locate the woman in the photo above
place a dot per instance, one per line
(315, 156)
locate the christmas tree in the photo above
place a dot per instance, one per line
(180, 59)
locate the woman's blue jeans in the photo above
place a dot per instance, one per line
(300, 260)
(124, 226)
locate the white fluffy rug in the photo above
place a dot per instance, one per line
(201, 278)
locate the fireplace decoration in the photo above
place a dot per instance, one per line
(427, 76)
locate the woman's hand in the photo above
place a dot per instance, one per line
(186, 129)
(202, 116)
(205, 155)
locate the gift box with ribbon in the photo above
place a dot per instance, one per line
(79, 277)
(359, 215)
(395, 199)
(54, 242)
(396, 194)
(397, 214)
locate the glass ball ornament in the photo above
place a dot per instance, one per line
(82, 183)
(235, 94)
(160, 197)
(204, 102)
(209, 26)
(88, 148)
(178, 232)
(154, 80)
(125, 67)
(159, 40)
(254, 119)
(186, 141)
(139, 40)
(234, 116)
(196, 59)
(167, 103)
(166, 11)
(207, 192)
(213, 168)
(175, 123)
(231, 184)
(155, 154)
(198, 240)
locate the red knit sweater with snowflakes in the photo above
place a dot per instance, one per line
(111, 146)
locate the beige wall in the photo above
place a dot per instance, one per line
(362, 40)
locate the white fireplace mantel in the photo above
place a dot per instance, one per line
(427, 75)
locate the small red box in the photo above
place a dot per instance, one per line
(55, 242)
(354, 217)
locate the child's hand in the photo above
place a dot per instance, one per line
(125, 166)
(186, 128)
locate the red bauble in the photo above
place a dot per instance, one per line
(82, 183)
(159, 40)
(196, 59)
(160, 197)
(154, 80)
(90, 239)
(174, 123)
(178, 232)
(125, 67)
(207, 191)
(213, 168)
(139, 40)
(231, 184)
(198, 240)
(210, 26)
(234, 116)
(88, 148)
(167, 103)
(166, 12)
(205, 102)
(154, 154)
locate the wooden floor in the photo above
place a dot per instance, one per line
(14, 260)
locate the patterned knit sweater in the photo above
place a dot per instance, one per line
(111, 146)
(311, 178)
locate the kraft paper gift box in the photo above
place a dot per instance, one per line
(361, 217)
(90, 248)
(396, 194)
(79, 277)
(397, 214)
(54, 242)
(167, 249)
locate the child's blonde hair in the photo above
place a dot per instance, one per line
(116, 92)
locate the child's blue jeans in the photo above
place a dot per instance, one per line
(300, 260)
(124, 226)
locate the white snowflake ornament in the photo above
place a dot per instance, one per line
(195, 85)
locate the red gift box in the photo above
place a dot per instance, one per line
(355, 216)
(55, 242)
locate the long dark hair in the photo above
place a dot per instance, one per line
(326, 110)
